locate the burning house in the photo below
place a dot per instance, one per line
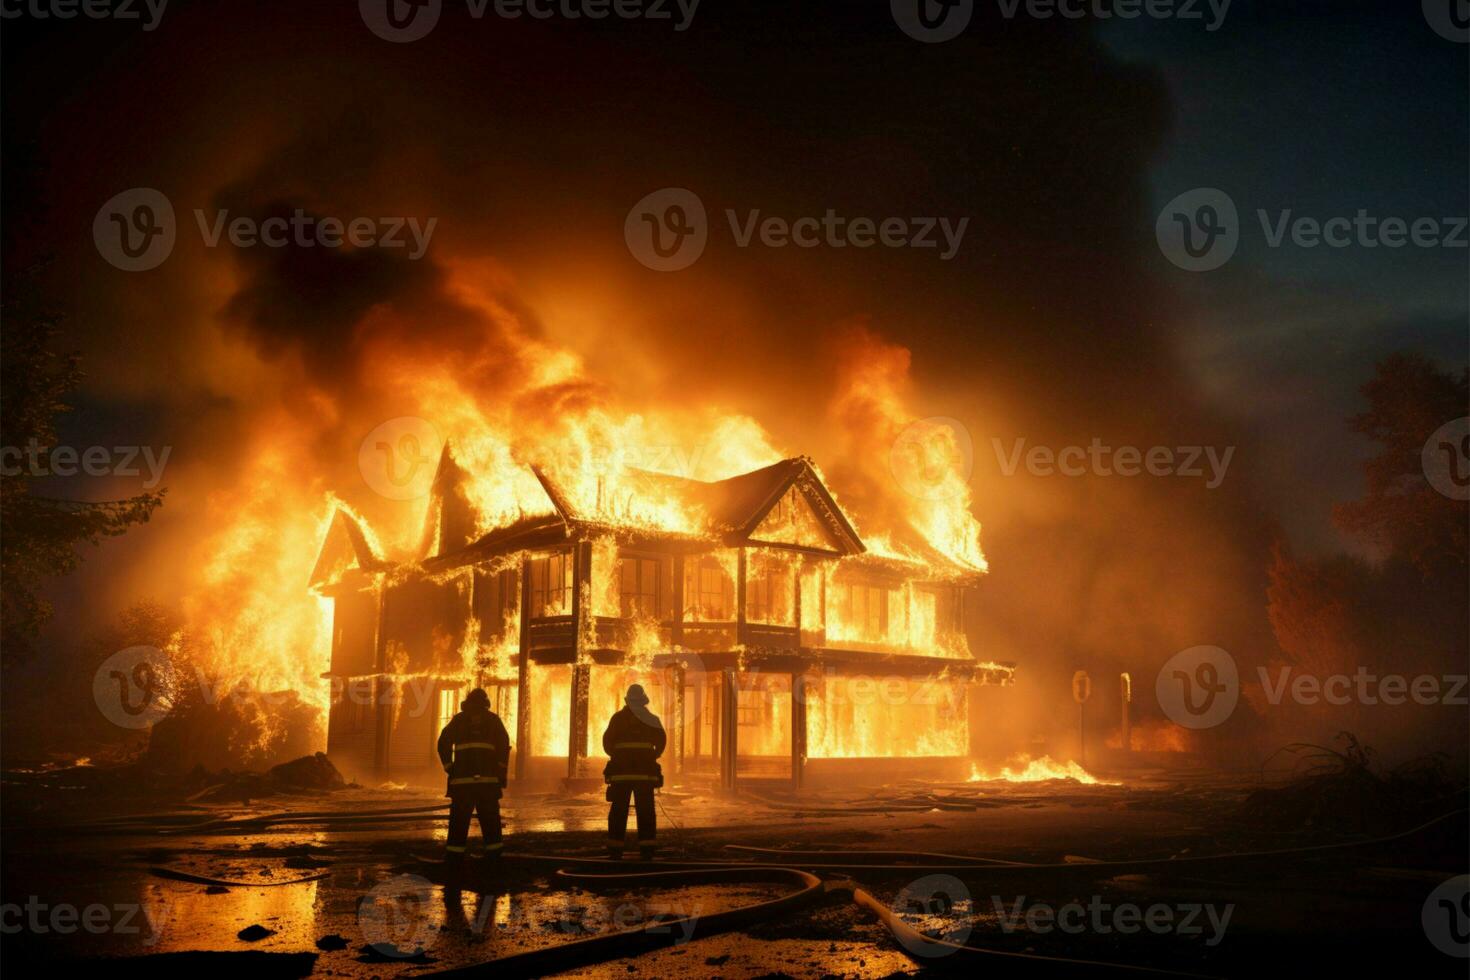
(775, 642)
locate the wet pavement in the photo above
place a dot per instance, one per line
(379, 911)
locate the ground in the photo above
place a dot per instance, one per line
(84, 879)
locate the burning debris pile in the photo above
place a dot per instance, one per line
(239, 730)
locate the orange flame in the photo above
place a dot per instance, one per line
(1031, 770)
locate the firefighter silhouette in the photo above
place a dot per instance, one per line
(475, 750)
(633, 741)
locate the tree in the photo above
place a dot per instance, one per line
(1408, 399)
(1401, 614)
(39, 534)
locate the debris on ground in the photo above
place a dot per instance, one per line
(392, 953)
(1341, 791)
(308, 772)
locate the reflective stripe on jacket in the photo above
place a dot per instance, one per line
(633, 742)
(474, 749)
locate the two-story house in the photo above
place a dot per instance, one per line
(773, 642)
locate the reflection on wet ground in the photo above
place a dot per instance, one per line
(76, 892)
(373, 893)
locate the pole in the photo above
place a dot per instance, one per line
(1081, 733)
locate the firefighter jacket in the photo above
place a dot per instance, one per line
(475, 750)
(633, 742)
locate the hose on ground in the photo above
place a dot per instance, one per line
(658, 933)
(185, 825)
(922, 949)
(667, 932)
(858, 862)
(925, 950)
(854, 862)
(876, 857)
(176, 875)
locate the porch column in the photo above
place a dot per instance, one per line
(523, 677)
(798, 729)
(581, 667)
(676, 683)
(729, 725)
(382, 708)
(676, 629)
(742, 634)
(577, 747)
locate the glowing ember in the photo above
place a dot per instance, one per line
(1044, 769)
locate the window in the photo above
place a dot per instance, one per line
(926, 607)
(638, 587)
(862, 611)
(509, 594)
(709, 594)
(497, 602)
(448, 706)
(769, 592)
(551, 586)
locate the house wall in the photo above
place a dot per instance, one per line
(352, 727)
(354, 633)
(420, 641)
(418, 713)
(424, 624)
(352, 722)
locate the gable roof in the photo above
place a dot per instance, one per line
(345, 548)
(451, 522)
(733, 508)
(730, 510)
(748, 498)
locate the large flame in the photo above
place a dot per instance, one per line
(520, 413)
(1032, 770)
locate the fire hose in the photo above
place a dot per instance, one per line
(660, 932)
(919, 947)
(175, 875)
(666, 932)
(853, 861)
(188, 824)
(996, 962)
(800, 867)
(877, 857)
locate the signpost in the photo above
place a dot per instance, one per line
(1125, 689)
(1081, 691)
